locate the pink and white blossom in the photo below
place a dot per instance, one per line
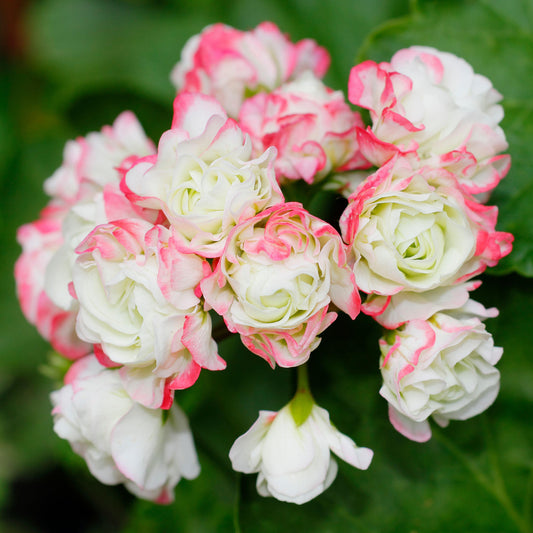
(40, 240)
(312, 127)
(230, 64)
(148, 450)
(441, 368)
(432, 106)
(91, 162)
(276, 279)
(204, 178)
(138, 303)
(414, 230)
(391, 311)
(294, 460)
(88, 183)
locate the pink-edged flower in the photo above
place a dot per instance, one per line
(414, 230)
(88, 183)
(312, 127)
(442, 367)
(276, 279)
(391, 311)
(82, 217)
(231, 65)
(40, 240)
(292, 457)
(90, 162)
(433, 106)
(148, 450)
(138, 303)
(204, 177)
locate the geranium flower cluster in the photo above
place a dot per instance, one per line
(141, 246)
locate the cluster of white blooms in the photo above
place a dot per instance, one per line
(139, 246)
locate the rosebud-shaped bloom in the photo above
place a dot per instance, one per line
(90, 162)
(121, 279)
(442, 367)
(414, 230)
(293, 457)
(88, 182)
(40, 240)
(204, 178)
(275, 280)
(311, 126)
(149, 450)
(431, 104)
(230, 64)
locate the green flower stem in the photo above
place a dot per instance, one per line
(302, 403)
(494, 486)
(303, 380)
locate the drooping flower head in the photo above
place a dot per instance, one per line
(293, 458)
(121, 440)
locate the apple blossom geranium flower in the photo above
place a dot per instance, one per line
(292, 456)
(442, 367)
(121, 440)
(40, 240)
(414, 230)
(276, 279)
(432, 105)
(88, 183)
(43, 271)
(121, 277)
(204, 177)
(90, 162)
(230, 64)
(139, 248)
(311, 126)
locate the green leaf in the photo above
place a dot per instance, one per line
(497, 39)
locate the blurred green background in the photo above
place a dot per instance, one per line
(70, 66)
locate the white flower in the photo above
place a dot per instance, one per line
(90, 162)
(204, 178)
(149, 450)
(311, 126)
(414, 230)
(40, 241)
(432, 105)
(230, 64)
(442, 367)
(293, 457)
(88, 184)
(276, 279)
(121, 279)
